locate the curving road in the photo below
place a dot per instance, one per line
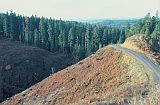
(141, 58)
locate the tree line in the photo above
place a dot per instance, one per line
(150, 26)
(79, 39)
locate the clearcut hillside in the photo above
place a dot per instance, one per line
(114, 75)
(22, 66)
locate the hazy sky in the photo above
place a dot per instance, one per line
(82, 9)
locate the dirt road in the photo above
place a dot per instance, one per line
(144, 60)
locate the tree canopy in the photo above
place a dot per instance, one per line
(79, 39)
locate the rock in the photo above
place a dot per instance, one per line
(8, 67)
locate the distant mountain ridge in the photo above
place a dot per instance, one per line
(111, 22)
(118, 23)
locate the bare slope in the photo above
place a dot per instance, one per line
(110, 76)
(22, 66)
(143, 59)
(140, 44)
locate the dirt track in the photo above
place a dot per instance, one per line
(148, 63)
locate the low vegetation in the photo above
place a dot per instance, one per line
(22, 66)
(107, 77)
(139, 43)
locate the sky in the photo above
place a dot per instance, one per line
(82, 9)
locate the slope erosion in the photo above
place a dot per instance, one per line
(108, 77)
(22, 66)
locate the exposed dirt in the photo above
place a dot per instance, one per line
(139, 43)
(22, 66)
(108, 77)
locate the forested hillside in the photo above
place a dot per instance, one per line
(56, 35)
(118, 23)
(72, 37)
(149, 26)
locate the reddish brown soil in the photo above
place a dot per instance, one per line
(95, 76)
(108, 77)
(22, 66)
(139, 43)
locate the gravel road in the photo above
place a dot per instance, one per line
(144, 60)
